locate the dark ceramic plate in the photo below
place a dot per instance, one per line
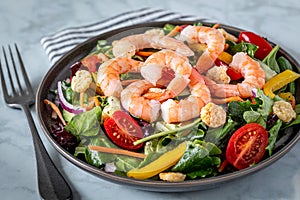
(60, 71)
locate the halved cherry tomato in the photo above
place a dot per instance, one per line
(264, 47)
(234, 75)
(247, 145)
(123, 130)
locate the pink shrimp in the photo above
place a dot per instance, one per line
(190, 107)
(108, 76)
(128, 46)
(133, 101)
(153, 68)
(254, 78)
(214, 40)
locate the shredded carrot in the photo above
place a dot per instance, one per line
(117, 151)
(145, 53)
(55, 109)
(222, 166)
(227, 100)
(174, 31)
(216, 25)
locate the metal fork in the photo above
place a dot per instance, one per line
(51, 184)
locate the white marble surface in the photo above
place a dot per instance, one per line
(25, 22)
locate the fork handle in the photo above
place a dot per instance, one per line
(51, 183)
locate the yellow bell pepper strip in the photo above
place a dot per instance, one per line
(164, 162)
(279, 81)
(225, 57)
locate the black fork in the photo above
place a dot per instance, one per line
(18, 93)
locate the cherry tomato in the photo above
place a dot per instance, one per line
(247, 145)
(264, 47)
(123, 130)
(234, 75)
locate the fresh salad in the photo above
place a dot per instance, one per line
(176, 103)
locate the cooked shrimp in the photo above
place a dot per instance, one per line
(214, 40)
(133, 101)
(190, 107)
(108, 74)
(254, 77)
(128, 46)
(227, 35)
(152, 71)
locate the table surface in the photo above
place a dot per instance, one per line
(25, 22)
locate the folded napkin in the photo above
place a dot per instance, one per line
(56, 45)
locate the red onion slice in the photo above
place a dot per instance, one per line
(65, 104)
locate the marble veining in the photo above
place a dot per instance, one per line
(25, 22)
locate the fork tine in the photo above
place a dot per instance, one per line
(4, 88)
(22, 67)
(15, 71)
(8, 72)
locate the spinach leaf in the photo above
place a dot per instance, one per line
(98, 159)
(294, 122)
(247, 112)
(248, 48)
(251, 116)
(273, 134)
(270, 59)
(204, 172)
(85, 124)
(95, 158)
(284, 64)
(265, 107)
(219, 135)
(199, 160)
(236, 109)
(268, 71)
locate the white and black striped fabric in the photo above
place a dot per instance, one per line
(56, 45)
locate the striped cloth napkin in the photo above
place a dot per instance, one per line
(56, 45)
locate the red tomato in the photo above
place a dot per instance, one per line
(123, 130)
(247, 145)
(234, 75)
(264, 47)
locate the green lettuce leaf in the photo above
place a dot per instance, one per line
(248, 48)
(270, 59)
(273, 135)
(219, 136)
(98, 159)
(200, 159)
(85, 124)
